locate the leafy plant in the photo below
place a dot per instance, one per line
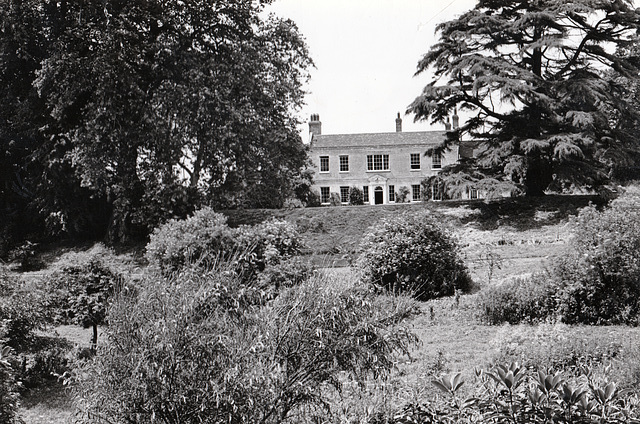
(83, 294)
(356, 196)
(205, 238)
(9, 396)
(412, 253)
(211, 347)
(513, 394)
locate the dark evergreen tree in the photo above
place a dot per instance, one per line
(532, 75)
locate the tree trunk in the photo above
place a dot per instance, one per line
(539, 176)
(94, 338)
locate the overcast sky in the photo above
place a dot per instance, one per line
(366, 52)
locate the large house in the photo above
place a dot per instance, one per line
(383, 166)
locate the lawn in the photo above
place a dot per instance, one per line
(498, 241)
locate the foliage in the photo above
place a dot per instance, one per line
(313, 199)
(9, 397)
(533, 79)
(26, 255)
(209, 347)
(525, 299)
(335, 200)
(123, 114)
(356, 196)
(82, 293)
(205, 238)
(512, 394)
(596, 282)
(21, 313)
(599, 280)
(608, 354)
(181, 241)
(412, 253)
(402, 196)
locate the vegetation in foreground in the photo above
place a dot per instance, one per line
(452, 333)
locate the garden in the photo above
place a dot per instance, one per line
(453, 312)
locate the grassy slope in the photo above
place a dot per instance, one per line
(498, 240)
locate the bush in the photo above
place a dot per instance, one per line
(356, 196)
(209, 347)
(525, 299)
(313, 199)
(334, 199)
(9, 385)
(182, 241)
(597, 281)
(205, 239)
(402, 196)
(412, 253)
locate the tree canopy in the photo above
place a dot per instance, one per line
(545, 84)
(126, 113)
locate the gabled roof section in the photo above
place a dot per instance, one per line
(422, 138)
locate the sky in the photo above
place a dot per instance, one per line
(366, 54)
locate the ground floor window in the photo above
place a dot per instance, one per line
(473, 193)
(392, 193)
(344, 194)
(365, 194)
(437, 189)
(415, 192)
(325, 194)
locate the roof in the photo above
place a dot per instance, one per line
(422, 138)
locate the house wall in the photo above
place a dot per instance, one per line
(399, 173)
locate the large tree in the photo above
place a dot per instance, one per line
(534, 77)
(153, 106)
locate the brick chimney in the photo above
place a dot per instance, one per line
(456, 119)
(315, 126)
(398, 123)
(447, 125)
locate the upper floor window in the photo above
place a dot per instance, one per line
(377, 162)
(415, 160)
(324, 163)
(436, 161)
(344, 163)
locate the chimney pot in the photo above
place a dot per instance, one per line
(315, 126)
(447, 125)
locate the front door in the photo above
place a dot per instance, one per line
(378, 193)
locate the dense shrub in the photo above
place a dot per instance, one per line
(356, 196)
(9, 395)
(513, 394)
(402, 195)
(413, 253)
(205, 239)
(334, 199)
(525, 299)
(210, 347)
(597, 281)
(181, 241)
